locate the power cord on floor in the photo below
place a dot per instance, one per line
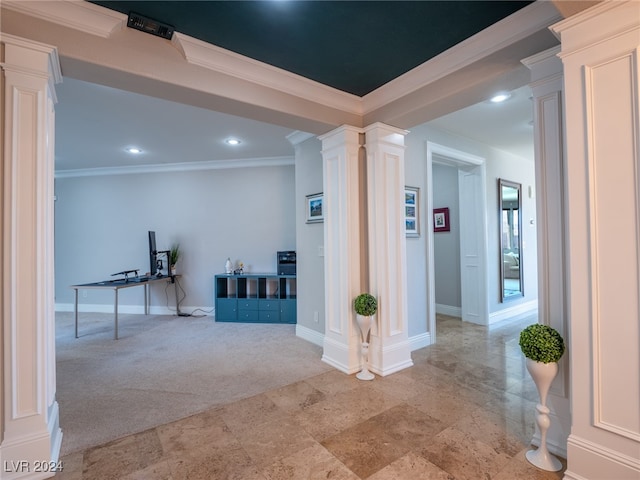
(179, 301)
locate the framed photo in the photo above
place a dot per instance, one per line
(411, 206)
(441, 220)
(315, 212)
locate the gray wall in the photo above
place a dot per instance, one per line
(309, 238)
(446, 245)
(498, 164)
(101, 225)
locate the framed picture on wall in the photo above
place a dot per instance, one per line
(441, 220)
(315, 212)
(411, 205)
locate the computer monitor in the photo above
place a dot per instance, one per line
(153, 259)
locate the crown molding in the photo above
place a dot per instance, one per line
(520, 25)
(176, 167)
(225, 61)
(297, 137)
(77, 14)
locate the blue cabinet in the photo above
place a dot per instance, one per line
(255, 298)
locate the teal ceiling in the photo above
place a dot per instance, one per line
(354, 46)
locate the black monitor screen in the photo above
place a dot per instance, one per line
(152, 253)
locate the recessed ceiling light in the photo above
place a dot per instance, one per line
(500, 97)
(232, 141)
(134, 150)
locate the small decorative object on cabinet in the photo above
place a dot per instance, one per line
(543, 346)
(228, 266)
(255, 298)
(365, 306)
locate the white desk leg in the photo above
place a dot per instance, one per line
(115, 307)
(75, 309)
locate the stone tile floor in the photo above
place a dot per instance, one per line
(464, 411)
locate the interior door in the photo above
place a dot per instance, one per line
(473, 247)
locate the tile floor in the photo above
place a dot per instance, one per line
(464, 411)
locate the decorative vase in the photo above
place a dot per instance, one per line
(364, 322)
(228, 267)
(543, 375)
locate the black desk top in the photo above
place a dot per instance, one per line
(122, 283)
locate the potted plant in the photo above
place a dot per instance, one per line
(543, 347)
(365, 306)
(174, 256)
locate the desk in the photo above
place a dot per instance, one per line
(116, 285)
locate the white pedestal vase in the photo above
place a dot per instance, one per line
(365, 325)
(543, 375)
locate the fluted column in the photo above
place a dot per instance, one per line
(546, 87)
(342, 249)
(29, 409)
(387, 264)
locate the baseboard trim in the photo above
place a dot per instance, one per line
(310, 335)
(588, 459)
(514, 313)
(448, 310)
(420, 341)
(132, 309)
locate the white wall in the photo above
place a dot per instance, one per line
(101, 225)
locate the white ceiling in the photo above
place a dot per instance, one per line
(95, 124)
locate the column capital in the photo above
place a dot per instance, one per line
(382, 133)
(32, 57)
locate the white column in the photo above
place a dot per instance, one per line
(387, 258)
(29, 409)
(546, 87)
(342, 250)
(600, 49)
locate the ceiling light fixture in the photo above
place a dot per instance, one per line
(500, 97)
(134, 150)
(232, 141)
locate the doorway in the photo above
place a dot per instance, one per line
(473, 236)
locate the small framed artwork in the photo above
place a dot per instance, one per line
(315, 212)
(441, 220)
(411, 218)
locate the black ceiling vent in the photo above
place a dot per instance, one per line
(145, 24)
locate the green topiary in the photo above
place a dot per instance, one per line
(541, 343)
(365, 304)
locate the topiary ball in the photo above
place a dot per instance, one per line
(541, 343)
(365, 304)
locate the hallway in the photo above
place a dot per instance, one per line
(464, 411)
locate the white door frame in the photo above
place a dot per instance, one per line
(475, 304)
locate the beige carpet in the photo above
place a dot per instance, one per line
(164, 368)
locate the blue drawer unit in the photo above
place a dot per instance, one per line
(226, 309)
(255, 298)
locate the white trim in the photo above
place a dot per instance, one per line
(608, 460)
(132, 309)
(419, 341)
(415, 343)
(83, 16)
(212, 57)
(449, 310)
(513, 313)
(177, 167)
(519, 25)
(310, 335)
(297, 137)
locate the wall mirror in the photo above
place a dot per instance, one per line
(510, 216)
